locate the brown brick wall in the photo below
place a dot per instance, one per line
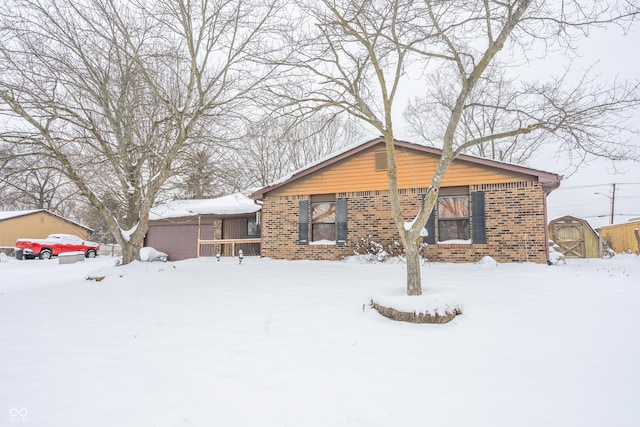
(515, 225)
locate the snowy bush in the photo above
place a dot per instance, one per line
(607, 251)
(373, 251)
(487, 261)
(556, 256)
(3, 257)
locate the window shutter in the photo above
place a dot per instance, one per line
(430, 238)
(341, 226)
(303, 222)
(478, 217)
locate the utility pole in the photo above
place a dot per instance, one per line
(612, 197)
(613, 201)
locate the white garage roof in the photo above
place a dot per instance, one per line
(233, 204)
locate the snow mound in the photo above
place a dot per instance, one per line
(382, 257)
(487, 261)
(3, 257)
(150, 254)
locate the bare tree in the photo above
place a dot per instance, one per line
(199, 175)
(274, 147)
(355, 54)
(315, 138)
(28, 182)
(114, 92)
(477, 123)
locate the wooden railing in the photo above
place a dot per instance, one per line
(223, 242)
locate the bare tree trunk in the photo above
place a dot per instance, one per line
(408, 237)
(414, 279)
(131, 250)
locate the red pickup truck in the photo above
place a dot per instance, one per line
(56, 244)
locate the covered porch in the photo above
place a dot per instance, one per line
(235, 234)
(205, 227)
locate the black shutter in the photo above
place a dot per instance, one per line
(303, 222)
(478, 217)
(430, 238)
(341, 226)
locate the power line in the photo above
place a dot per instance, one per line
(572, 187)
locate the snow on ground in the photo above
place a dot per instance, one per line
(276, 343)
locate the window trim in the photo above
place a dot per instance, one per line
(454, 192)
(323, 199)
(477, 213)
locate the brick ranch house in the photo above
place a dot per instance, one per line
(485, 207)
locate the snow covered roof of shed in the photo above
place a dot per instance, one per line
(4, 215)
(233, 204)
(14, 214)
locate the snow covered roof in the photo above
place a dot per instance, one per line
(233, 204)
(13, 214)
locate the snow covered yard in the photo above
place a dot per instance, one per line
(276, 343)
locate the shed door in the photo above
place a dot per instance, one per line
(570, 238)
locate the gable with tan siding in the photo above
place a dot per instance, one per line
(415, 170)
(355, 170)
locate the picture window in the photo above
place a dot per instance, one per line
(453, 218)
(323, 221)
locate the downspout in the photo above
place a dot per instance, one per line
(546, 226)
(259, 220)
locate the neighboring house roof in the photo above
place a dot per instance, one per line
(5, 215)
(233, 204)
(14, 214)
(549, 180)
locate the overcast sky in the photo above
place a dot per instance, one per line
(613, 55)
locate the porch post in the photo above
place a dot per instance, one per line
(198, 248)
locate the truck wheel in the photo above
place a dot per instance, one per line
(91, 253)
(45, 254)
